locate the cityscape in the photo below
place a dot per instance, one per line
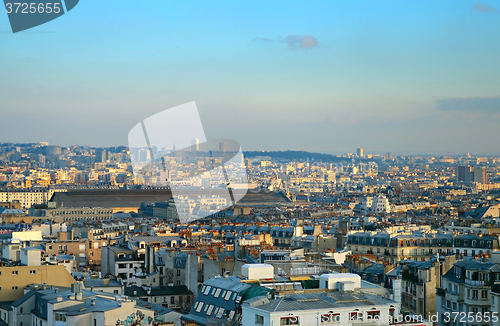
(250, 163)
(354, 238)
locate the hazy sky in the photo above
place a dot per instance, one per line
(328, 76)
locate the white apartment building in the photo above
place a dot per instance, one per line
(380, 205)
(341, 304)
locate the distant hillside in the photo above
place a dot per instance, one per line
(296, 156)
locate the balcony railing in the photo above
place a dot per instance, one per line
(474, 283)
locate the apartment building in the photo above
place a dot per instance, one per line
(13, 279)
(339, 301)
(471, 287)
(74, 214)
(419, 282)
(121, 262)
(394, 247)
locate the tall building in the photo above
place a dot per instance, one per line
(101, 155)
(222, 147)
(465, 173)
(480, 175)
(359, 152)
(195, 144)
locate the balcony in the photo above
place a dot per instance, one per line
(474, 283)
(411, 278)
(441, 292)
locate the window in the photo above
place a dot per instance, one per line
(178, 283)
(210, 308)
(228, 295)
(259, 319)
(217, 293)
(484, 294)
(178, 273)
(172, 300)
(33, 272)
(356, 316)
(293, 320)
(14, 273)
(200, 306)
(330, 318)
(373, 315)
(14, 288)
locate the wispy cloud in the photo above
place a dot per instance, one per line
(470, 104)
(293, 41)
(263, 40)
(483, 7)
(301, 41)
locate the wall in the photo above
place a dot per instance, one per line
(49, 274)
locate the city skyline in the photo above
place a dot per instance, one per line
(323, 77)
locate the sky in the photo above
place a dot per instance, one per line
(322, 76)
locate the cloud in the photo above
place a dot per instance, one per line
(483, 7)
(300, 41)
(293, 41)
(470, 104)
(262, 39)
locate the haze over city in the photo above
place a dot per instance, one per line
(317, 76)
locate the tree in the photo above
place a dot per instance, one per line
(169, 275)
(186, 305)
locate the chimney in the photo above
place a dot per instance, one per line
(92, 302)
(59, 299)
(135, 292)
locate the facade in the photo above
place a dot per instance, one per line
(26, 198)
(419, 282)
(77, 248)
(13, 279)
(470, 287)
(380, 205)
(121, 262)
(74, 214)
(397, 246)
(178, 298)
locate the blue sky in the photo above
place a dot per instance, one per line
(324, 76)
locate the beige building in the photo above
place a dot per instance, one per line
(13, 279)
(419, 282)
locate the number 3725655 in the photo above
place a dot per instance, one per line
(32, 8)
